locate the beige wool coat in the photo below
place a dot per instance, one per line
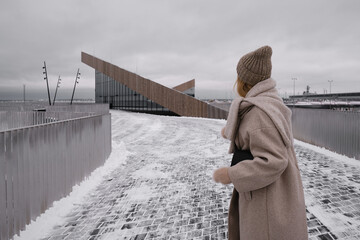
(269, 202)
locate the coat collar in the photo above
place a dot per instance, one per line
(261, 87)
(264, 96)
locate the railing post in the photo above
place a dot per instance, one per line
(3, 216)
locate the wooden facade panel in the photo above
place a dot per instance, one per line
(214, 112)
(125, 78)
(142, 85)
(171, 101)
(132, 82)
(116, 73)
(177, 99)
(137, 84)
(111, 71)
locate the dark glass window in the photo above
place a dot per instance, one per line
(107, 90)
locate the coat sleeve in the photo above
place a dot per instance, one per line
(270, 161)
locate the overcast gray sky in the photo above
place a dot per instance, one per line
(171, 42)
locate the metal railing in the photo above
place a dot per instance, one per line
(16, 115)
(40, 164)
(59, 107)
(337, 131)
(11, 120)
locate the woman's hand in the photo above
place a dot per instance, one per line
(221, 175)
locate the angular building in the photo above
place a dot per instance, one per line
(187, 88)
(128, 91)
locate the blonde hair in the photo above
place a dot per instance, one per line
(242, 86)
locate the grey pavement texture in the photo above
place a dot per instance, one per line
(165, 190)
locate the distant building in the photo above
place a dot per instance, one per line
(355, 96)
(128, 91)
(338, 101)
(307, 92)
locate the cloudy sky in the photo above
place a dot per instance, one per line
(171, 42)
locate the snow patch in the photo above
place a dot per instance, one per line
(150, 171)
(337, 156)
(336, 223)
(206, 119)
(141, 193)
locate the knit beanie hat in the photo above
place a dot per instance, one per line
(255, 66)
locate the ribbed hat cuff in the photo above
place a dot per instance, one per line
(249, 77)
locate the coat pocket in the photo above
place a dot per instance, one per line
(248, 196)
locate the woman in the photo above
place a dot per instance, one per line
(268, 199)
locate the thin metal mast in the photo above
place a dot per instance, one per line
(57, 86)
(47, 83)
(24, 93)
(76, 81)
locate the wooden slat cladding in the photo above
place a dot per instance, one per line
(185, 86)
(215, 112)
(171, 99)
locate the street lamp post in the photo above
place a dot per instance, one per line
(294, 79)
(330, 81)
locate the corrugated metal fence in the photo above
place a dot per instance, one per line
(337, 131)
(41, 164)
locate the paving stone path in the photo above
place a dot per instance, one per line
(332, 190)
(166, 191)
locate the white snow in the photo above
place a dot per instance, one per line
(124, 135)
(55, 215)
(141, 193)
(336, 223)
(327, 102)
(329, 153)
(150, 171)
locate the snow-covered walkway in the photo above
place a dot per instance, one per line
(157, 184)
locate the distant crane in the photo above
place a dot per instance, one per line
(76, 81)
